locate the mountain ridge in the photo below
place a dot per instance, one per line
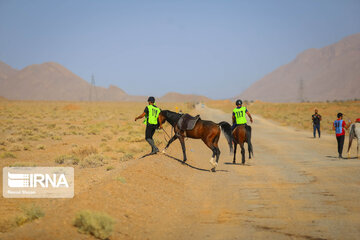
(53, 81)
(328, 73)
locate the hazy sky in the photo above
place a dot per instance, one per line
(213, 48)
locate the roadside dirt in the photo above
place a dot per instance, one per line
(293, 188)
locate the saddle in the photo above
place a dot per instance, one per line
(187, 122)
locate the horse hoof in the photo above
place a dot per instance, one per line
(234, 162)
(213, 170)
(213, 163)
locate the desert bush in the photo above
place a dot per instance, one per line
(56, 138)
(40, 147)
(51, 126)
(15, 148)
(110, 168)
(126, 157)
(72, 159)
(97, 224)
(92, 161)
(7, 155)
(120, 179)
(84, 151)
(29, 214)
(107, 149)
(10, 139)
(21, 164)
(26, 148)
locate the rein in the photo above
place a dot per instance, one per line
(167, 135)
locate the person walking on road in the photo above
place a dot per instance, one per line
(151, 113)
(316, 118)
(339, 127)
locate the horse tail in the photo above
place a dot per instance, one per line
(226, 128)
(351, 135)
(248, 137)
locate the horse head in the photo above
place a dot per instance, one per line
(171, 117)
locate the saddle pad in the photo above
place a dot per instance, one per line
(187, 122)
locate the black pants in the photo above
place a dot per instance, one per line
(340, 141)
(150, 130)
(316, 126)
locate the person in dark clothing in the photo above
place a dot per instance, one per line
(151, 113)
(339, 127)
(316, 118)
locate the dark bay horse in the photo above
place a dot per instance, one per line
(240, 135)
(207, 131)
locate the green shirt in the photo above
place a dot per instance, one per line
(239, 114)
(153, 114)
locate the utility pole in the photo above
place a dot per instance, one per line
(92, 93)
(301, 90)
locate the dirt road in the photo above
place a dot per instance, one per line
(294, 188)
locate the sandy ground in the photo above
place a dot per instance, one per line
(293, 188)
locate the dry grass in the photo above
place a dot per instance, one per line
(92, 161)
(98, 224)
(298, 115)
(83, 135)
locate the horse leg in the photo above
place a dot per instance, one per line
(242, 153)
(182, 141)
(216, 149)
(249, 149)
(168, 144)
(235, 147)
(217, 154)
(212, 162)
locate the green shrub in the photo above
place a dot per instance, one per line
(121, 179)
(97, 224)
(40, 147)
(7, 155)
(26, 148)
(22, 164)
(29, 214)
(110, 168)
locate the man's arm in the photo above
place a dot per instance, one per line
(346, 126)
(140, 116)
(248, 113)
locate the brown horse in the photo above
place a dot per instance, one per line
(240, 135)
(207, 131)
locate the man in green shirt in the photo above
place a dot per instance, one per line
(238, 114)
(151, 112)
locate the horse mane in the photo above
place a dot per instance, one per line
(171, 117)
